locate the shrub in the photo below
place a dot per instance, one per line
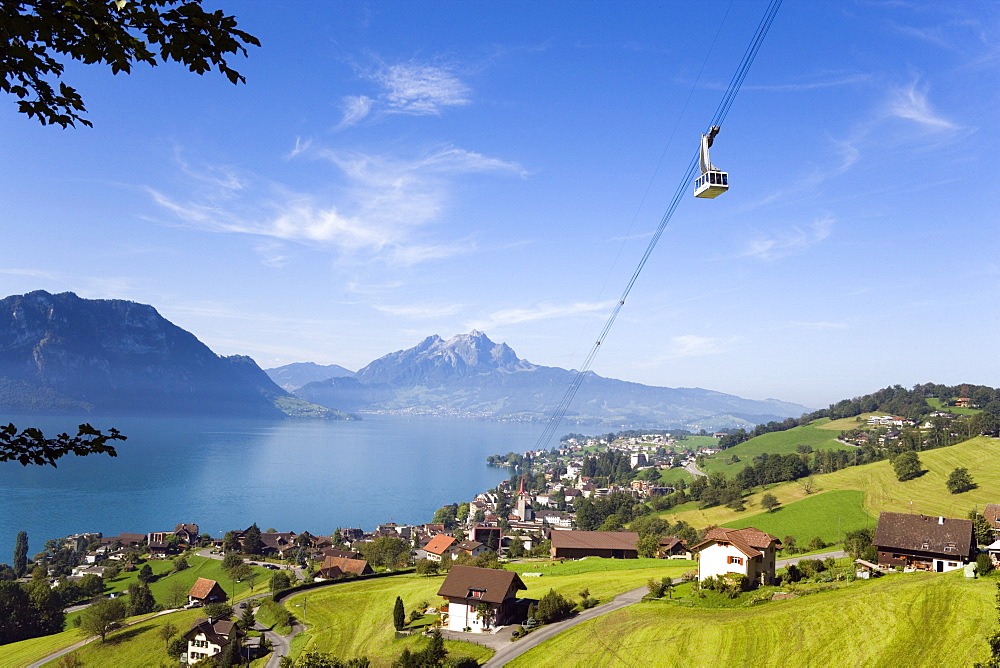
(552, 608)
(983, 563)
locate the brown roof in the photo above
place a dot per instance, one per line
(356, 566)
(337, 552)
(749, 541)
(494, 585)
(921, 533)
(129, 538)
(469, 545)
(203, 587)
(595, 540)
(992, 514)
(190, 528)
(218, 633)
(439, 544)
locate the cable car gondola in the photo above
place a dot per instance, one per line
(712, 182)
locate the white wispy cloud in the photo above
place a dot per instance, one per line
(692, 345)
(788, 242)
(911, 103)
(383, 205)
(411, 88)
(540, 312)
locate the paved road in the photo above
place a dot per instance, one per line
(836, 554)
(87, 641)
(693, 469)
(515, 649)
(298, 571)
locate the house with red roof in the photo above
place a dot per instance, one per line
(205, 591)
(437, 547)
(750, 552)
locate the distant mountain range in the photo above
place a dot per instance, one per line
(470, 375)
(61, 353)
(293, 376)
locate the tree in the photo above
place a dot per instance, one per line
(280, 581)
(102, 617)
(435, 653)
(40, 36)
(251, 540)
(648, 545)
(30, 446)
(20, 554)
(552, 607)
(398, 614)
(247, 620)
(19, 619)
(177, 648)
(230, 543)
(981, 528)
(146, 574)
(218, 610)
(140, 599)
(231, 561)
(769, 502)
(167, 631)
(960, 481)
(907, 466)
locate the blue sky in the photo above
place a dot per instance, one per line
(393, 170)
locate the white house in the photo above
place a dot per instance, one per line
(207, 638)
(466, 588)
(750, 552)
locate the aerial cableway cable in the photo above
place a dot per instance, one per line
(720, 115)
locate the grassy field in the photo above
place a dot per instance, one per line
(202, 567)
(605, 578)
(355, 618)
(828, 515)
(936, 405)
(919, 619)
(877, 482)
(695, 442)
(26, 652)
(819, 434)
(137, 645)
(670, 476)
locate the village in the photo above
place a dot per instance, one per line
(535, 517)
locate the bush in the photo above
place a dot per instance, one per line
(983, 564)
(552, 608)
(816, 544)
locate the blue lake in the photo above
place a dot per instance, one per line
(293, 475)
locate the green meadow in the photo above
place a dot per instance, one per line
(819, 435)
(828, 515)
(918, 619)
(879, 488)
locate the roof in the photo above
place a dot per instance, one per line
(495, 585)
(439, 544)
(469, 545)
(190, 528)
(750, 541)
(992, 513)
(202, 588)
(595, 540)
(356, 566)
(218, 633)
(922, 533)
(127, 538)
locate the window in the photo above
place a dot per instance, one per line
(735, 560)
(476, 593)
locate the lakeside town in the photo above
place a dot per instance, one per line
(590, 498)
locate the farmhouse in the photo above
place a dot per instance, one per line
(335, 567)
(205, 591)
(467, 587)
(609, 544)
(207, 638)
(748, 552)
(438, 546)
(919, 542)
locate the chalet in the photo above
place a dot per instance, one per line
(920, 542)
(467, 587)
(469, 547)
(205, 591)
(158, 550)
(437, 546)
(125, 539)
(608, 544)
(208, 638)
(277, 544)
(672, 547)
(187, 533)
(337, 552)
(335, 567)
(749, 552)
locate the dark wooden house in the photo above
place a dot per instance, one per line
(922, 542)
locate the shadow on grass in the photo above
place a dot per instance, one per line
(127, 634)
